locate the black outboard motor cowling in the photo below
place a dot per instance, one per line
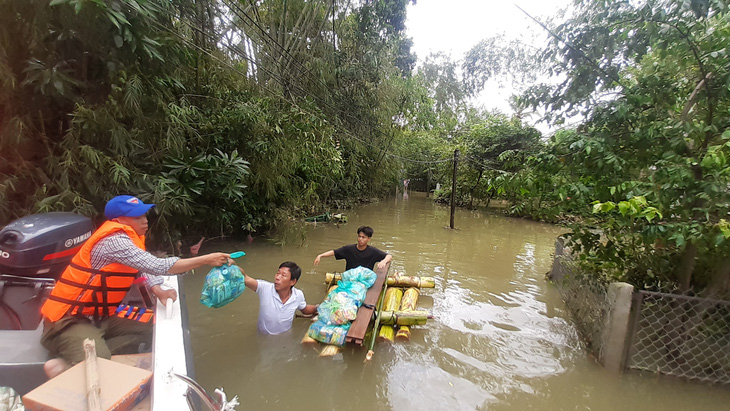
(34, 251)
(42, 245)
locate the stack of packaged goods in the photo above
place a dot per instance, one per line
(340, 306)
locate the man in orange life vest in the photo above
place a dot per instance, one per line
(85, 298)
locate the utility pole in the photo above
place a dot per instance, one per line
(453, 188)
(428, 181)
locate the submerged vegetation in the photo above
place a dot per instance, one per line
(234, 116)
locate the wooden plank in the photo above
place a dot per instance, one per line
(359, 327)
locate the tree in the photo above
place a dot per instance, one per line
(657, 142)
(494, 147)
(259, 110)
(498, 57)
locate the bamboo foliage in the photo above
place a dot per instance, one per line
(283, 35)
(195, 103)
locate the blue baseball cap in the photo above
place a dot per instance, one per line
(125, 206)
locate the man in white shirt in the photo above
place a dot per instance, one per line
(278, 301)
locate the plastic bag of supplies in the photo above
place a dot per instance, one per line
(222, 285)
(355, 290)
(338, 308)
(360, 274)
(328, 334)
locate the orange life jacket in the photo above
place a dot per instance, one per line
(81, 290)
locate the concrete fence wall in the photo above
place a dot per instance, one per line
(617, 327)
(668, 334)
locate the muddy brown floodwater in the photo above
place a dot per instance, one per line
(500, 340)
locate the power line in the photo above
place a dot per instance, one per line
(483, 164)
(422, 161)
(235, 51)
(275, 76)
(266, 33)
(292, 57)
(313, 77)
(574, 48)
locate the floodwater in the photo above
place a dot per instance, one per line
(500, 339)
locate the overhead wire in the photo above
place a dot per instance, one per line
(316, 79)
(483, 164)
(242, 15)
(266, 33)
(307, 70)
(275, 76)
(444, 160)
(254, 62)
(576, 49)
(236, 51)
(200, 48)
(227, 64)
(231, 24)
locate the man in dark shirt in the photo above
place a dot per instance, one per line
(360, 254)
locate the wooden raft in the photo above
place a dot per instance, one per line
(359, 327)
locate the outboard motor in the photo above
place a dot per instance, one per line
(34, 251)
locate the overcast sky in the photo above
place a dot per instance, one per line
(455, 26)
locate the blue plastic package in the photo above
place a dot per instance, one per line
(328, 334)
(222, 285)
(360, 274)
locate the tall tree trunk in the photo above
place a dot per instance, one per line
(719, 282)
(471, 192)
(684, 276)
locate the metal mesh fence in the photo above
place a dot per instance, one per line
(682, 336)
(584, 297)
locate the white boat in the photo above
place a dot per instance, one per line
(33, 252)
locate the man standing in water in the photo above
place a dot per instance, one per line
(360, 254)
(279, 301)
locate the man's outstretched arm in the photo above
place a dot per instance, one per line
(330, 253)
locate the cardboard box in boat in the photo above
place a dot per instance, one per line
(143, 361)
(122, 386)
